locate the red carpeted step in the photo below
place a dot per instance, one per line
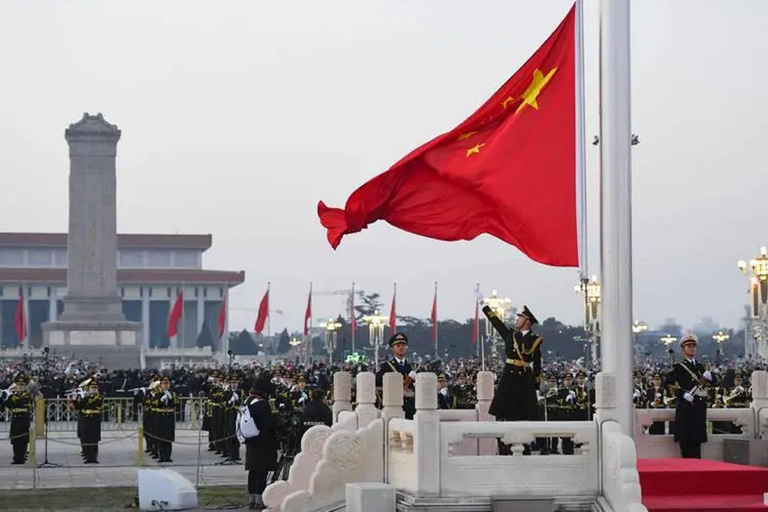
(695, 477)
(705, 503)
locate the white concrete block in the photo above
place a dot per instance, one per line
(370, 497)
(165, 489)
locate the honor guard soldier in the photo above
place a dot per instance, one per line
(234, 398)
(638, 395)
(445, 400)
(399, 364)
(691, 411)
(585, 397)
(165, 411)
(515, 398)
(89, 404)
(18, 401)
(550, 410)
(566, 402)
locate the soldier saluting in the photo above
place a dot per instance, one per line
(515, 398)
(19, 402)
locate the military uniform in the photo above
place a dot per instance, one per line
(90, 405)
(406, 370)
(655, 398)
(691, 411)
(19, 402)
(232, 401)
(515, 397)
(165, 402)
(567, 406)
(445, 400)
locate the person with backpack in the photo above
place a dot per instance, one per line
(261, 448)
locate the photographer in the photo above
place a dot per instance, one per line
(316, 412)
(260, 451)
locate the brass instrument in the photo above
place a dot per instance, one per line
(736, 392)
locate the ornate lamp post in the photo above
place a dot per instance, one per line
(667, 341)
(331, 331)
(591, 290)
(758, 268)
(720, 337)
(295, 344)
(376, 323)
(499, 306)
(637, 329)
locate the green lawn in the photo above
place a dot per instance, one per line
(109, 498)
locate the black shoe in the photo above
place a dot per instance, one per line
(544, 452)
(17, 462)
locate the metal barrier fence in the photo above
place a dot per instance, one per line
(117, 414)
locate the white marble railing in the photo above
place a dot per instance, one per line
(663, 445)
(552, 475)
(621, 482)
(402, 461)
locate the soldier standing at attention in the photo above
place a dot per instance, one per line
(398, 364)
(691, 411)
(19, 402)
(166, 420)
(90, 405)
(515, 398)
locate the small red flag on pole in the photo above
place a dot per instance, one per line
(20, 320)
(173, 319)
(308, 312)
(261, 319)
(393, 311)
(222, 317)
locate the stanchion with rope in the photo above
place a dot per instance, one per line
(199, 451)
(31, 461)
(140, 460)
(40, 416)
(119, 416)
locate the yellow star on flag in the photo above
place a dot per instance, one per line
(534, 89)
(506, 102)
(475, 150)
(465, 136)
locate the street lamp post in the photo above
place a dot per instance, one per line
(591, 290)
(667, 341)
(637, 329)
(499, 306)
(758, 268)
(376, 323)
(720, 337)
(295, 344)
(331, 327)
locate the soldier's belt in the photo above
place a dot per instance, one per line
(519, 363)
(165, 411)
(91, 411)
(16, 411)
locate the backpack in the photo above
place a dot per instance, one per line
(246, 427)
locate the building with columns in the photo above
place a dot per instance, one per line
(152, 270)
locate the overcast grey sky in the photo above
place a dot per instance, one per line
(237, 117)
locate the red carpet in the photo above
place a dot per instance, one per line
(677, 485)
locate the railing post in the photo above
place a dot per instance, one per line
(426, 441)
(486, 446)
(140, 461)
(194, 407)
(366, 398)
(32, 461)
(119, 415)
(39, 416)
(342, 393)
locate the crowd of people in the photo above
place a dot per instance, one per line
(286, 398)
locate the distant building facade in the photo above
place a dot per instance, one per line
(152, 270)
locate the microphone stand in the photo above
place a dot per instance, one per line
(46, 463)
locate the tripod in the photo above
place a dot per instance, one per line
(46, 463)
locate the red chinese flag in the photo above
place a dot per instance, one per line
(20, 321)
(308, 313)
(393, 313)
(173, 319)
(434, 318)
(509, 170)
(261, 320)
(222, 317)
(475, 326)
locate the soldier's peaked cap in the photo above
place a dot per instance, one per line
(688, 339)
(526, 313)
(398, 337)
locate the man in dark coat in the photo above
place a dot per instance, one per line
(399, 364)
(260, 451)
(19, 402)
(316, 412)
(515, 397)
(692, 379)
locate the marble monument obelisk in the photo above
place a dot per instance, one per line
(93, 325)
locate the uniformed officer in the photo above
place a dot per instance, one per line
(566, 401)
(693, 380)
(19, 402)
(655, 398)
(399, 364)
(445, 400)
(89, 404)
(515, 397)
(165, 403)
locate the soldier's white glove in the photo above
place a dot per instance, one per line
(538, 396)
(234, 399)
(570, 397)
(444, 392)
(81, 393)
(708, 375)
(412, 375)
(303, 398)
(636, 394)
(688, 397)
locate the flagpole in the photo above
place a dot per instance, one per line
(269, 330)
(352, 317)
(616, 210)
(437, 353)
(183, 327)
(581, 152)
(476, 327)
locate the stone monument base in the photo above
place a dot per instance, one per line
(113, 345)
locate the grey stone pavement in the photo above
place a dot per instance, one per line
(117, 462)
